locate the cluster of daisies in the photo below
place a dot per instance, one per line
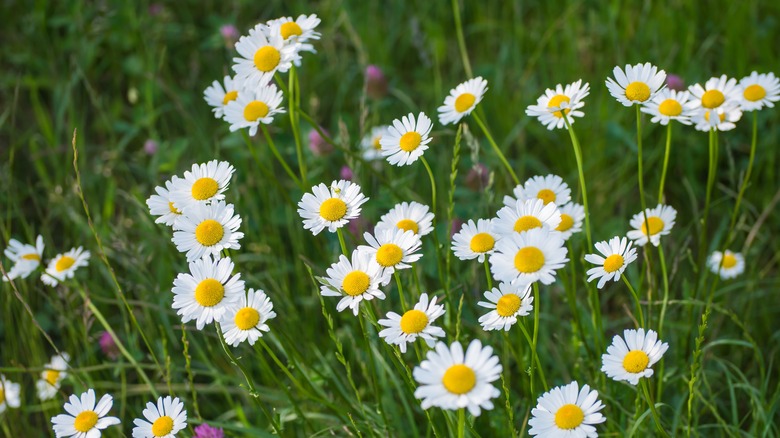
(26, 259)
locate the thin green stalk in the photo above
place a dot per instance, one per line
(571, 298)
(710, 183)
(495, 147)
(666, 162)
(653, 410)
(636, 299)
(640, 174)
(578, 156)
(744, 184)
(461, 40)
(400, 290)
(535, 339)
(537, 361)
(437, 250)
(342, 243)
(278, 156)
(433, 186)
(487, 275)
(461, 422)
(293, 99)
(662, 316)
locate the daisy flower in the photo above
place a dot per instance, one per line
(246, 319)
(506, 302)
(64, 266)
(330, 207)
(261, 55)
(26, 258)
(661, 220)
(715, 93)
(462, 100)
(415, 323)
(392, 249)
(572, 216)
(727, 265)
(371, 143)
(207, 291)
(630, 359)
(207, 230)
(202, 184)
(553, 104)
(164, 420)
(727, 116)
(670, 105)
(549, 188)
(218, 96)
(84, 418)
(759, 91)
(51, 379)
(253, 107)
(160, 205)
(567, 411)
(637, 84)
(451, 380)
(530, 256)
(407, 216)
(354, 281)
(407, 139)
(9, 394)
(296, 32)
(475, 241)
(527, 215)
(618, 254)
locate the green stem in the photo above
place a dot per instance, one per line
(400, 290)
(278, 156)
(461, 422)
(640, 174)
(294, 98)
(495, 147)
(535, 339)
(487, 274)
(662, 316)
(461, 40)
(653, 410)
(666, 162)
(537, 361)
(578, 156)
(636, 299)
(433, 186)
(744, 184)
(436, 247)
(342, 243)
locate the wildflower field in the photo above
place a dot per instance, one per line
(359, 218)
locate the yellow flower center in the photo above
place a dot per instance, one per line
(712, 99)
(635, 361)
(204, 188)
(85, 421)
(529, 259)
(333, 209)
(355, 283)
(247, 318)
(173, 209)
(413, 321)
(569, 416)
(729, 261)
(508, 305)
(32, 256)
(556, 101)
(613, 263)
(376, 143)
(670, 108)
(754, 92)
(482, 242)
(526, 223)
(459, 379)
(267, 58)
(209, 232)
(51, 377)
(162, 426)
(209, 292)
(2, 395)
(229, 97)
(410, 141)
(546, 195)
(464, 102)
(656, 225)
(566, 222)
(408, 225)
(389, 255)
(255, 110)
(289, 29)
(638, 91)
(64, 263)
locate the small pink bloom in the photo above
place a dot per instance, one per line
(317, 144)
(675, 83)
(376, 83)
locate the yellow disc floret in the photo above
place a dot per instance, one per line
(729, 261)
(670, 108)
(355, 283)
(526, 223)
(51, 377)
(635, 361)
(546, 195)
(209, 292)
(255, 110)
(333, 209)
(754, 92)
(229, 97)
(556, 101)
(31, 256)
(566, 222)
(408, 225)
(209, 232)
(85, 421)
(638, 91)
(389, 255)
(482, 242)
(267, 58)
(247, 318)
(410, 141)
(712, 99)
(656, 225)
(464, 102)
(63, 263)
(162, 426)
(459, 379)
(414, 321)
(289, 29)
(613, 263)
(529, 259)
(508, 305)
(569, 416)
(204, 188)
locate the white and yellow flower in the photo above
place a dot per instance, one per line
(670, 105)
(527, 215)
(84, 418)
(506, 303)
(475, 241)
(64, 266)
(253, 107)
(202, 184)
(660, 219)
(408, 216)
(261, 55)
(567, 411)
(716, 93)
(407, 139)
(26, 258)
(9, 394)
(462, 100)
(246, 319)
(218, 96)
(51, 378)
(161, 205)
(572, 216)
(637, 84)
(297, 32)
(392, 249)
(415, 323)
(533, 255)
(727, 117)
(330, 207)
(554, 104)
(726, 264)
(207, 229)
(371, 143)
(354, 281)
(617, 255)
(163, 420)
(629, 358)
(206, 293)
(548, 188)
(759, 91)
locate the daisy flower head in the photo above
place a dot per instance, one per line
(726, 264)
(261, 54)
(84, 418)
(207, 229)
(51, 378)
(354, 280)
(527, 215)
(723, 118)
(567, 411)
(548, 188)
(161, 205)
(202, 184)
(392, 249)
(246, 319)
(163, 420)
(296, 32)
(408, 216)
(716, 92)
(618, 254)
(9, 394)
(554, 104)
(759, 91)
(407, 139)
(218, 96)
(572, 216)
(207, 291)
(371, 143)
(660, 219)
(670, 105)
(253, 107)
(636, 84)
(64, 266)
(506, 302)
(450, 379)
(462, 100)
(531, 256)
(330, 207)
(475, 241)
(26, 258)
(629, 358)
(414, 323)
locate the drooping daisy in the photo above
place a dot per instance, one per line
(572, 216)
(207, 291)
(164, 420)
(715, 93)
(637, 84)
(415, 323)
(533, 255)
(354, 281)
(262, 55)
(84, 418)
(161, 205)
(527, 215)
(618, 254)
(297, 32)
(408, 216)
(202, 184)
(553, 104)
(64, 266)
(548, 188)
(630, 359)
(253, 107)
(451, 380)
(218, 96)
(661, 220)
(330, 207)
(567, 411)
(727, 116)
(371, 143)
(462, 100)
(727, 264)
(759, 91)
(246, 319)
(407, 139)
(475, 241)
(51, 379)
(392, 249)
(26, 258)
(670, 105)
(506, 302)
(207, 230)
(9, 394)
